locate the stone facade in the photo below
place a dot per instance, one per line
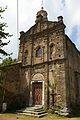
(46, 56)
(49, 37)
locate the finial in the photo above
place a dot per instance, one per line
(42, 5)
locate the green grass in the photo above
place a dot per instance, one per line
(50, 116)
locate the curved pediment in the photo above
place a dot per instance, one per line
(38, 77)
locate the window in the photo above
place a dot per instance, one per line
(51, 50)
(39, 52)
(25, 56)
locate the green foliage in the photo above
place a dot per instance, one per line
(3, 34)
(8, 61)
(52, 86)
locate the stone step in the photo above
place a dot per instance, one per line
(34, 112)
(31, 108)
(34, 115)
(37, 111)
(41, 115)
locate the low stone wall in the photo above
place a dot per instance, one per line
(10, 86)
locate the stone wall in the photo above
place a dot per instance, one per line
(57, 82)
(11, 84)
(1, 97)
(72, 73)
(25, 78)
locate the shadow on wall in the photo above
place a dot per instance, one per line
(13, 101)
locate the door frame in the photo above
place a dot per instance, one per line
(42, 90)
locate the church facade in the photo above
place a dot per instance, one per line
(48, 68)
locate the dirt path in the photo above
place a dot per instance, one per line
(8, 117)
(22, 117)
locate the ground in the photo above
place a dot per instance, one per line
(22, 117)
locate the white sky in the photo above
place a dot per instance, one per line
(69, 9)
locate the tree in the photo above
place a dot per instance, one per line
(8, 61)
(3, 34)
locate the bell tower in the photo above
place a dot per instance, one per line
(41, 15)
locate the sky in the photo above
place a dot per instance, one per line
(27, 9)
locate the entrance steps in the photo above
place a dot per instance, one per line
(37, 111)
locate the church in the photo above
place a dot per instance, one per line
(48, 68)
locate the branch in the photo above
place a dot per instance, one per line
(3, 52)
(3, 44)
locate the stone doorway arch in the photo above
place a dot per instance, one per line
(37, 89)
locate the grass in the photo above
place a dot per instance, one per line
(50, 116)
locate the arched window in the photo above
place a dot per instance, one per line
(39, 52)
(25, 56)
(51, 50)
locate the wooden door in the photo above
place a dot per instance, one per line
(37, 93)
